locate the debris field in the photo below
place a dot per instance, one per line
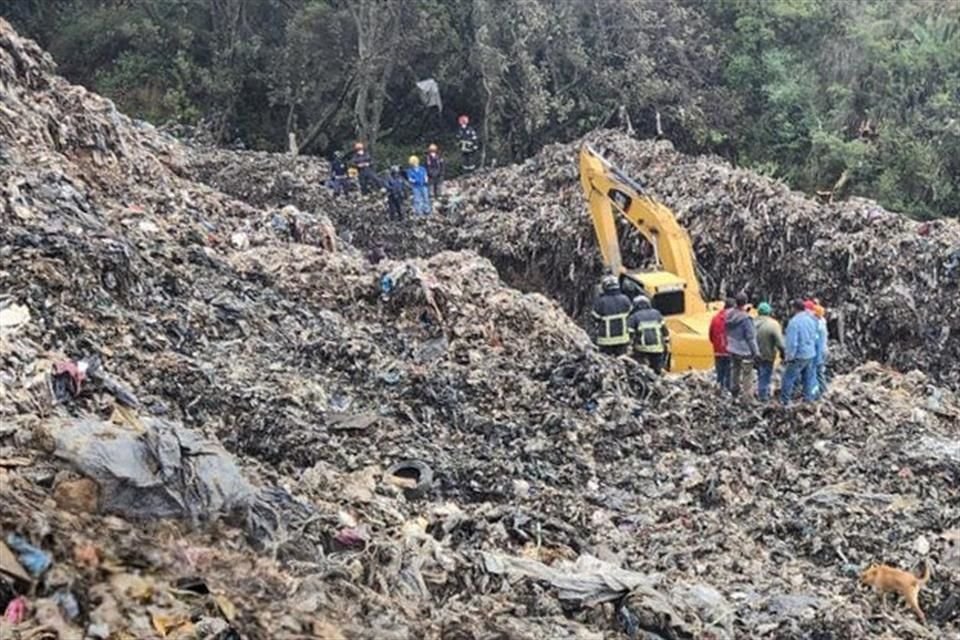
(890, 283)
(220, 418)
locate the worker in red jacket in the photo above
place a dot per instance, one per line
(718, 337)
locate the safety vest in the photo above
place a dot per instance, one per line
(613, 331)
(649, 338)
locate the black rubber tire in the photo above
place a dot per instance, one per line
(413, 468)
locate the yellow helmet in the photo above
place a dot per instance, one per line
(414, 161)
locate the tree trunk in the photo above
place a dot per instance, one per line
(486, 122)
(378, 38)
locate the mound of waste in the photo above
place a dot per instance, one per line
(888, 281)
(219, 419)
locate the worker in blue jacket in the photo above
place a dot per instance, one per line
(820, 360)
(799, 354)
(417, 177)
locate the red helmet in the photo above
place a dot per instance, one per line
(464, 120)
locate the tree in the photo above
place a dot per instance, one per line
(857, 97)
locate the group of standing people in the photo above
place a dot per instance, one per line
(742, 343)
(417, 179)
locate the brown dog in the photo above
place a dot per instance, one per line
(886, 579)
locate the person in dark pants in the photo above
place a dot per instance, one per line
(742, 346)
(718, 337)
(610, 313)
(435, 169)
(339, 181)
(649, 333)
(469, 144)
(396, 187)
(363, 161)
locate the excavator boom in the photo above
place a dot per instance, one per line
(672, 285)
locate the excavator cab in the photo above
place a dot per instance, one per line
(665, 290)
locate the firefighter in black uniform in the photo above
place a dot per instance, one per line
(649, 334)
(469, 144)
(610, 313)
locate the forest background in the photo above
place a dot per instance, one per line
(851, 97)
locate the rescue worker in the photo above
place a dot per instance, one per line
(741, 345)
(649, 334)
(820, 359)
(396, 192)
(610, 312)
(800, 351)
(435, 169)
(363, 162)
(770, 343)
(718, 338)
(417, 177)
(469, 143)
(338, 174)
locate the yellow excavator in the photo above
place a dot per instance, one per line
(672, 284)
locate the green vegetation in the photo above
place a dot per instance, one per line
(853, 97)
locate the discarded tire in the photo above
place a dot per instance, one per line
(414, 476)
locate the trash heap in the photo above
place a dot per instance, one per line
(887, 281)
(220, 419)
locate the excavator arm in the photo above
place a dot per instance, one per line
(608, 189)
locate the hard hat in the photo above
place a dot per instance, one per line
(414, 160)
(641, 301)
(764, 309)
(464, 120)
(609, 282)
(819, 310)
(432, 148)
(358, 146)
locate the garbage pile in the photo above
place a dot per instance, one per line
(222, 419)
(886, 280)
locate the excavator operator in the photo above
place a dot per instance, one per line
(649, 332)
(610, 313)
